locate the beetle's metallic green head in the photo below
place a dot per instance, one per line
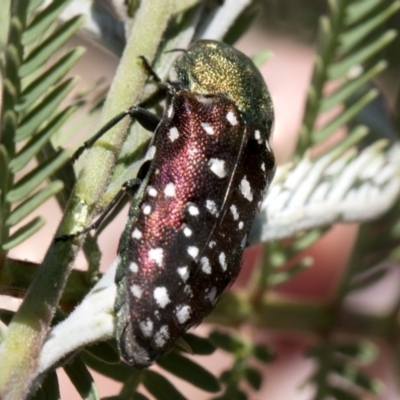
(210, 67)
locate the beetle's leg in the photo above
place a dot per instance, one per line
(130, 187)
(147, 119)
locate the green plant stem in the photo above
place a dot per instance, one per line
(19, 352)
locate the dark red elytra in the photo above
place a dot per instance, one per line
(211, 165)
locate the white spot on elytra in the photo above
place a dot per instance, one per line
(257, 135)
(188, 290)
(211, 244)
(263, 166)
(150, 153)
(146, 209)
(146, 327)
(218, 167)
(183, 272)
(136, 234)
(169, 190)
(222, 261)
(234, 212)
(193, 210)
(160, 295)
(161, 337)
(240, 225)
(156, 255)
(231, 117)
(183, 313)
(246, 189)
(212, 207)
(133, 267)
(152, 191)
(187, 231)
(137, 291)
(205, 265)
(208, 128)
(211, 294)
(193, 251)
(173, 134)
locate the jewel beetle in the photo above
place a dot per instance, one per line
(210, 167)
(207, 169)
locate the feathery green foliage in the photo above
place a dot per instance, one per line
(33, 91)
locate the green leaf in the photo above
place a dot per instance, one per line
(341, 394)
(37, 142)
(44, 109)
(48, 78)
(138, 396)
(353, 375)
(81, 379)
(264, 354)
(345, 117)
(199, 345)
(105, 352)
(40, 395)
(4, 168)
(348, 89)
(226, 342)
(362, 282)
(359, 9)
(43, 52)
(50, 387)
(340, 69)
(305, 240)
(254, 377)
(189, 371)
(119, 372)
(113, 398)
(24, 233)
(6, 316)
(284, 276)
(262, 57)
(342, 33)
(233, 393)
(33, 5)
(129, 390)
(30, 204)
(363, 351)
(160, 387)
(42, 21)
(241, 25)
(35, 178)
(354, 36)
(132, 396)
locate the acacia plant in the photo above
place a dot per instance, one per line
(356, 180)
